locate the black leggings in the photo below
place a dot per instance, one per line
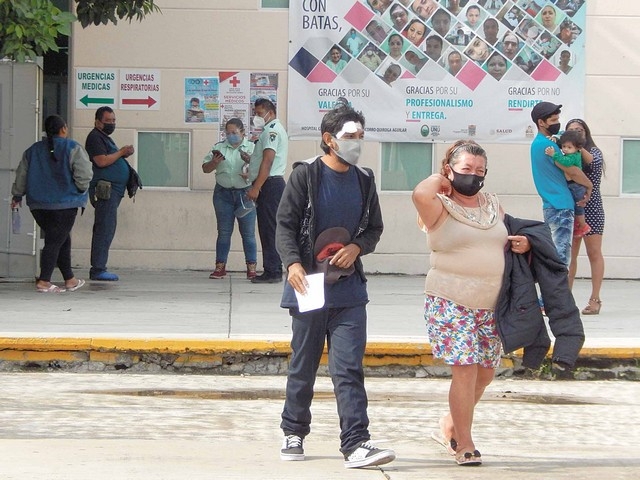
(57, 225)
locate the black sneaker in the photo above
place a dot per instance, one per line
(292, 448)
(367, 455)
(267, 278)
(561, 371)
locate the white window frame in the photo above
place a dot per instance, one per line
(189, 167)
(622, 161)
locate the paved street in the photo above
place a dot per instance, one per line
(67, 426)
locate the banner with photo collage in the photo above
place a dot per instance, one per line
(428, 70)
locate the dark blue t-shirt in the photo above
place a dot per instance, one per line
(339, 204)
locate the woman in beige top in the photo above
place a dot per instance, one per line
(467, 238)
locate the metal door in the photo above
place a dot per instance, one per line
(20, 126)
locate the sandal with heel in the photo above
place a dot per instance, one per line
(593, 308)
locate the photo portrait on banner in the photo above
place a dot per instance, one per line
(429, 70)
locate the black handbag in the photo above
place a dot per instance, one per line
(134, 183)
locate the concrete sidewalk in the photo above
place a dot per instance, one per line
(184, 311)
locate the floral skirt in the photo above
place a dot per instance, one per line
(461, 335)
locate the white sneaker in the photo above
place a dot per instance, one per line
(292, 448)
(367, 455)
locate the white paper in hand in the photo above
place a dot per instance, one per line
(314, 298)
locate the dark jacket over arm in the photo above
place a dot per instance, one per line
(518, 314)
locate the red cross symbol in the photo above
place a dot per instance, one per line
(234, 81)
(206, 82)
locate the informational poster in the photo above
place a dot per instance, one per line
(201, 100)
(428, 70)
(229, 95)
(263, 85)
(235, 98)
(238, 92)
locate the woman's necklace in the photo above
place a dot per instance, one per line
(471, 213)
(484, 215)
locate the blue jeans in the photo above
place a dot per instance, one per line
(104, 229)
(560, 223)
(577, 192)
(346, 332)
(225, 201)
(268, 201)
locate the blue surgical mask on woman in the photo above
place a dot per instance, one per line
(234, 138)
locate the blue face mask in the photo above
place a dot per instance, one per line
(234, 138)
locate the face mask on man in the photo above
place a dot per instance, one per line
(553, 128)
(467, 184)
(108, 128)
(348, 150)
(258, 121)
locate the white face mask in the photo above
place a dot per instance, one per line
(259, 121)
(349, 150)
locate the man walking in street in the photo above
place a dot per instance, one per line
(110, 177)
(329, 217)
(266, 170)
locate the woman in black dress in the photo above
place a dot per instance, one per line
(594, 214)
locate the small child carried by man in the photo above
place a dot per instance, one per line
(571, 143)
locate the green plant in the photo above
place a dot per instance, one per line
(29, 28)
(104, 11)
